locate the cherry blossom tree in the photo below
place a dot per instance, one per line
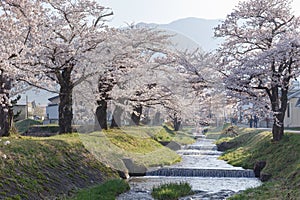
(133, 53)
(72, 30)
(143, 71)
(201, 84)
(181, 84)
(260, 55)
(17, 24)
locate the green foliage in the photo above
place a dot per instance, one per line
(171, 191)
(23, 125)
(282, 158)
(51, 128)
(107, 191)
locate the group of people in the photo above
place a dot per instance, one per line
(253, 121)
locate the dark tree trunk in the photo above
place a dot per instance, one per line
(136, 115)
(105, 85)
(5, 109)
(277, 130)
(101, 114)
(279, 106)
(4, 121)
(177, 123)
(116, 117)
(66, 101)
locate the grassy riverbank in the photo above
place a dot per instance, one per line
(282, 158)
(57, 166)
(136, 143)
(39, 168)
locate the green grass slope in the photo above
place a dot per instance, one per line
(282, 158)
(167, 134)
(136, 143)
(57, 166)
(45, 168)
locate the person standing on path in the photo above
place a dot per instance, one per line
(250, 121)
(255, 120)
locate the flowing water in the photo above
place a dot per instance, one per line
(210, 177)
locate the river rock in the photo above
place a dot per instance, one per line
(123, 174)
(258, 166)
(171, 145)
(134, 169)
(265, 177)
(223, 146)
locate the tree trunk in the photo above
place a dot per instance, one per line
(136, 115)
(277, 130)
(105, 85)
(4, 121)
(101, 115)
(5, 109)
(177, 123)
(66, 101)
(116, 117)
(279, 106)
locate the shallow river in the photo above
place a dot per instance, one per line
(201, 168)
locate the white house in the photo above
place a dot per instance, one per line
(52, 111)
(292, 116)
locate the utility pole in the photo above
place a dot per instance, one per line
(26, 107)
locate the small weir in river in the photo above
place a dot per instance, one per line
(210, 177)
(201, 172)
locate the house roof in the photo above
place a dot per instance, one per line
(295, 94)
(298, 103)
(52, 98)
(19, 105)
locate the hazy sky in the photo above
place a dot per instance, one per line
(166, 11)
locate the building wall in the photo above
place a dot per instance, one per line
(292, 119)
(52, 112)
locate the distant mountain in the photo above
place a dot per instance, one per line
(200, 31)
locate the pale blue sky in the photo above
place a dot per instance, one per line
(166, 11)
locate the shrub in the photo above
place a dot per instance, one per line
(171, 191)
(107, 191)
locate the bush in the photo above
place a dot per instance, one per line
(171, 191)
(23, 125)
(230, 131)
(107, 191)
